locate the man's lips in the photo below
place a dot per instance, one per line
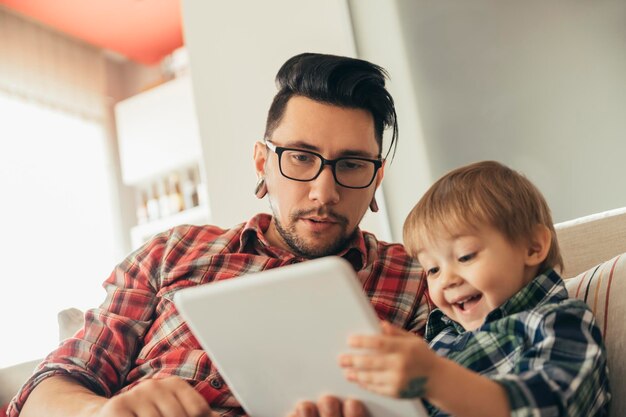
(320, 219)
(320, 224)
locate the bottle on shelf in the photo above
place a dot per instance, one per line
(164, 198)
(176, 197)
(153, 203)
(142, 206)
(175, 194)
(200, 189)
(190, 190)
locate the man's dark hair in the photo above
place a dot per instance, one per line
(340, 81)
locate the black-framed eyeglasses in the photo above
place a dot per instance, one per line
(349, 172)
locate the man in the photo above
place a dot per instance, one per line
(320, 164)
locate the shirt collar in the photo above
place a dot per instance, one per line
(253, 240)
(545, 287)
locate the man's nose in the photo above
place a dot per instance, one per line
(324, 189)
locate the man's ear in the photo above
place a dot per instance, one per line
(538, 246)
(260, 156)
(380, 174)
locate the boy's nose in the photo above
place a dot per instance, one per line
(450, 278)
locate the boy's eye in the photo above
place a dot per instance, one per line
(467, 257)
(432, 271)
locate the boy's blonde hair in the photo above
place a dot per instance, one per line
(483, 193)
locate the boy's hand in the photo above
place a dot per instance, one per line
(398, 363)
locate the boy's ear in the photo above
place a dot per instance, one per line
(538, 246)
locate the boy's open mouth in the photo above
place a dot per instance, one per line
(468, 302)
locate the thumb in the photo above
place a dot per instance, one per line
(391, 330)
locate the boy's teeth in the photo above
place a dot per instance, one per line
(462, 302)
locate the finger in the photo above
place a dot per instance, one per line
(385, 390)
(148, 409)
(391, 330)
(364, 362)
(381, 343)
(329, 406)
(169, 404)
(375, 382)
(369, 378)
(353, 408)
(116, 406)
(191, 401)
(306, 409)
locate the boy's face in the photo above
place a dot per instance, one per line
(474, 272)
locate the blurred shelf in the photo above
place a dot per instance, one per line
(139, 234)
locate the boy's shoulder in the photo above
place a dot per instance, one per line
(568, 306)
(547, 295)
(561, 319)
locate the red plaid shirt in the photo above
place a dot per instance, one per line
(137, 333)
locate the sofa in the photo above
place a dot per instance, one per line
(12, 378)
(594, 253)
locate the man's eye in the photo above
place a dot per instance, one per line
(351, 164)
(301, 157)
(467, 257)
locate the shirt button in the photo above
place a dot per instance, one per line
(216, 383)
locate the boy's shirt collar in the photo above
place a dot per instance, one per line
(545, 287)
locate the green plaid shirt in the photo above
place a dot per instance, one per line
(543, 348)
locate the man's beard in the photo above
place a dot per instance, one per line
(300, 247)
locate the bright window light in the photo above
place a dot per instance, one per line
(57, 240)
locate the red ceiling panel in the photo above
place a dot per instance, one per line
(142, 30)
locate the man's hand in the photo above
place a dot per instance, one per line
(168, 397)
(328, 406)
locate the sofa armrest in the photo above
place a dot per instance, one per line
(12, 378)
(591, 240)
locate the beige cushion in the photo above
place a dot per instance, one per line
(589, 240)
(12, 378)
(603, 288)
(70, 321)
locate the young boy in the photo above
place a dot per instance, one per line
(504, 340)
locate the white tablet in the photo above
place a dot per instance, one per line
(275, 335)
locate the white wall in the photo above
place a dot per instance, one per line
(379, 39)
(235, 49)
(537, 84)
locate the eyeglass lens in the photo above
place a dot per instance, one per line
(305, 166)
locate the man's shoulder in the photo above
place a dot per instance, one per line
(188, 238)
(204, 232)
(392, 254)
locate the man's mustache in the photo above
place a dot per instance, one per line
(330, 214)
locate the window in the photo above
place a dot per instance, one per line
(57, 224)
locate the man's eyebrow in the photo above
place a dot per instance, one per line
(346, 152)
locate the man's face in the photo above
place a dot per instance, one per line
(317, 218)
